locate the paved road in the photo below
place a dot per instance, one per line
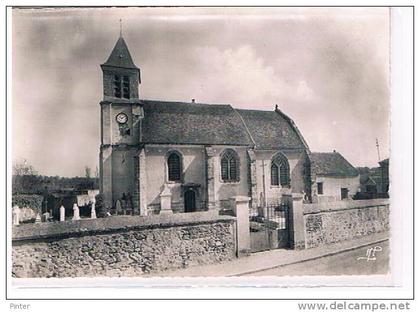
(345, 263)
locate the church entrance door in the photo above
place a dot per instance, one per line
(189, 201)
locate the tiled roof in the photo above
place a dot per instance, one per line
(384, 162)
(120, 56)
(272, 130)
(191, 123)
(367, 180)
(332, 164)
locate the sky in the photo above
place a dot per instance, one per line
(326, 68)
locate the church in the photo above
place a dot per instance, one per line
(197, 155)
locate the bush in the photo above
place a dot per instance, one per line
(37, 184)
(26, 184)
(100, 208)
(33, 202)
(361, 196)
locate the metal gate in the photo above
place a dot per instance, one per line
(269, 226)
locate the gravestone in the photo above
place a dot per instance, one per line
(76, 213)
(92, 211)
(15, 215)
(62, 213)
(45, 217)
(118, 207)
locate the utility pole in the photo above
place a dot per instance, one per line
(377, 147)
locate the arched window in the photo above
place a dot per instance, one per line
(122, 86)
(174, 166)
(274, 174)
(229, 163)
(280, 173)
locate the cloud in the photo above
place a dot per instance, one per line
(237, 76)
(325, 68)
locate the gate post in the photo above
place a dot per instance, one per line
(240, 207)
(297, 228)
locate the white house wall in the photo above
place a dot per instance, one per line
(332, 187)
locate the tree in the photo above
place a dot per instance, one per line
(87, 172)
(23, 168)
(25, 179)
(100, 208)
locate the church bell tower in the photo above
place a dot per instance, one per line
(121, 77)
(121, 114)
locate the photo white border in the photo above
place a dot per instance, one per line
(401, 260)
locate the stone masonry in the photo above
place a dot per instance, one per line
(329, 225)
(122, 252)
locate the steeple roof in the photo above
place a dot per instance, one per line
(120, 56)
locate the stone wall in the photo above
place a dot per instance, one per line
(332, 222)
(122, 246)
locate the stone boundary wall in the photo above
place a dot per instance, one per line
(332, 222)
(122, 245)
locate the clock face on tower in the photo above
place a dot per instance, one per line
(121, 118)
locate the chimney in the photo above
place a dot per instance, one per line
(334, 151)
(192, 100)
